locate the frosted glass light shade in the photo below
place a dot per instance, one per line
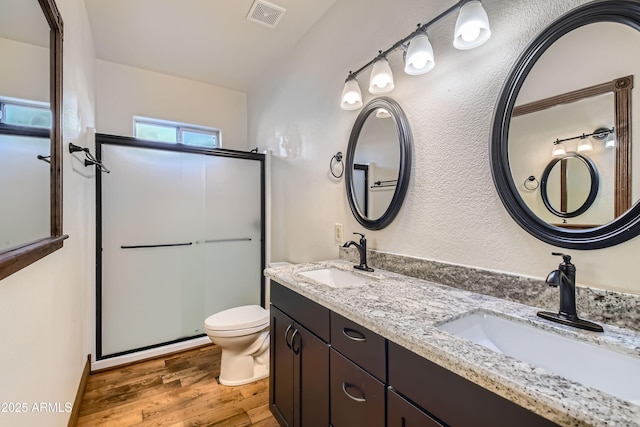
(351, 95)
(381, 113)
(472, 27)
(585, 145)
(610, 141)
(381, 78)
(418, 59)
(558, 150)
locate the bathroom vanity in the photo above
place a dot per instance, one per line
(373, 354)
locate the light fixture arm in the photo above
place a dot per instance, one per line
(402, 42)
(598, 132)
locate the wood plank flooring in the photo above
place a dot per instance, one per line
(180, 390)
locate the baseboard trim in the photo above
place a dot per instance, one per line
(75, 412)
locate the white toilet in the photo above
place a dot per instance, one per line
(243, 336)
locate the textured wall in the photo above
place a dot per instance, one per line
(46, 313)
(452, 212)
(124, 92)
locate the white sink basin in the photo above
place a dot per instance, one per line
(335, 277)
(589, 364)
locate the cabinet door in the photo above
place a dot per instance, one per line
(311, 379)
(401, 413)
(357, 398)
(281, 366)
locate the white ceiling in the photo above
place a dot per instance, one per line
(209, 41)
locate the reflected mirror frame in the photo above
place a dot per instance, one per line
(16, 258)
(625, 227)
(593, 188)
(405, 141)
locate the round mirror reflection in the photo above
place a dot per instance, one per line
(378, 163)
(569, 186)
(562, 96)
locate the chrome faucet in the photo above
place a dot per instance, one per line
(362, 249)
(565, 278)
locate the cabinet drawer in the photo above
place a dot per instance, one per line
(452, 399)
(401, 413)
(357, 398)
(308, 313)
(359, 344)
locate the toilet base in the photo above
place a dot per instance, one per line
(260, 374)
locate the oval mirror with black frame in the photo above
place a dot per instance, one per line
(559, 63)
(30, 132)
(378, 163)
(569, 185)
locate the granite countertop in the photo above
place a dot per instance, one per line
(407, 310)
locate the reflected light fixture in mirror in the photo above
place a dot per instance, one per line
(584, 145)
(471, 30)
(558, 149)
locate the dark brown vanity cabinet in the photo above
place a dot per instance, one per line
(358, 375)
(402, 413)
(327, 370)
(452, 399)
(299, 378)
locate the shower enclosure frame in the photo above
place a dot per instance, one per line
(123, 141)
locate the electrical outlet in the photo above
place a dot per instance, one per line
(338, 232)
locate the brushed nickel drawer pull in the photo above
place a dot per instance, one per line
(346, 385)
(293, 336)
(354, 335)
(286, 335)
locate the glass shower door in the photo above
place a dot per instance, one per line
(181, 239)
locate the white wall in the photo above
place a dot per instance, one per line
(46, 314)
(452, 211)
(124, 92)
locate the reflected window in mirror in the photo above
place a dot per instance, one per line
(30, 132)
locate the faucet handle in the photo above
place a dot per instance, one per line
(360, 234)
(565, 258)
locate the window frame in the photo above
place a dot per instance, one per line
(180, 128)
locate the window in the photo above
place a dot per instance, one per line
(176, 133)
(17, 112)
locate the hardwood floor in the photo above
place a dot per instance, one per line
(178, 391)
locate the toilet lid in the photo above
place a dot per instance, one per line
(246, 316)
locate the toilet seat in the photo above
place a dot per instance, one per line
(237, 321)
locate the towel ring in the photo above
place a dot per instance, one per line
(338, 159)
(531, 183)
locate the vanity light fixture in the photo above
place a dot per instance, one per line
(471, 30)
(418, 58)
(606, 135)
(472, 26)
(381, 81)
(351, 95)
(600, 134)
(558, 149)
(584, 145)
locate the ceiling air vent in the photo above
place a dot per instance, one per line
(265, 13)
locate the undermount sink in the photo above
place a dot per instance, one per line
(589, 364)
(335, 277)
